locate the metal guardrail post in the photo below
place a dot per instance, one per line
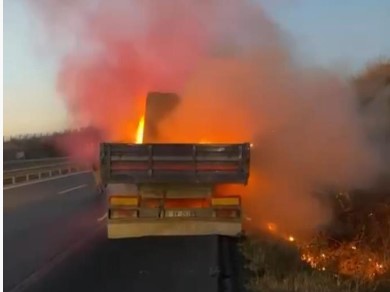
(12, 177)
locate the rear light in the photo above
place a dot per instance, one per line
(226, 213)
(123, 201)
(225, 201)
(123, 214)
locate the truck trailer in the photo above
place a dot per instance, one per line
(172, 188)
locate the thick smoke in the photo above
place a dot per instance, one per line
(238, 81)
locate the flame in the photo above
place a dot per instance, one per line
(272, 227)
(140, 131)
(364, 264)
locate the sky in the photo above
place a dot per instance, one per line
(341, 34)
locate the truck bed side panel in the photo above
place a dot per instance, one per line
(175, 163)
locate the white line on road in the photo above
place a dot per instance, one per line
(56, 261)
(43, 180)
(72, 189)
(102, 218)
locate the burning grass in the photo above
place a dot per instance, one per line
(352, 254)
(275, 265)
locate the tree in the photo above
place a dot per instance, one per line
(374, 83)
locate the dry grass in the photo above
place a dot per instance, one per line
(275, 265)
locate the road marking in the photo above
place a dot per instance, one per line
(72, 189)
(43, 180)
(58, 259)
(101, 218)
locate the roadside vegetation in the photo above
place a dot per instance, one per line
(276, 265)
(355, 259)
(41, 145)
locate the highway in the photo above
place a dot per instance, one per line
(55, 240)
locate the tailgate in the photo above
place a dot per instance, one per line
(174, 163)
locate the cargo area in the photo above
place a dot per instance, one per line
(172, 188)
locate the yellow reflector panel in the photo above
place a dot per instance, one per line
(225, 201)
(123, 201)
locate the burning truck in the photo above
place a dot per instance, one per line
(172, 189)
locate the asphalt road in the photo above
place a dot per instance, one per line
(43, 219)
(54, 240)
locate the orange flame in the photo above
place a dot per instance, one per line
(272, 227)
(140, 131)
(291, 238)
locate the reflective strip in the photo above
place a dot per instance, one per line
(123, 214)
(123, 201)
(223, 213)
(225, 201)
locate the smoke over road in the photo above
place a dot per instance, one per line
(238, 81)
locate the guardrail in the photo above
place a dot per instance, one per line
(20, 164)
(17, 176)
